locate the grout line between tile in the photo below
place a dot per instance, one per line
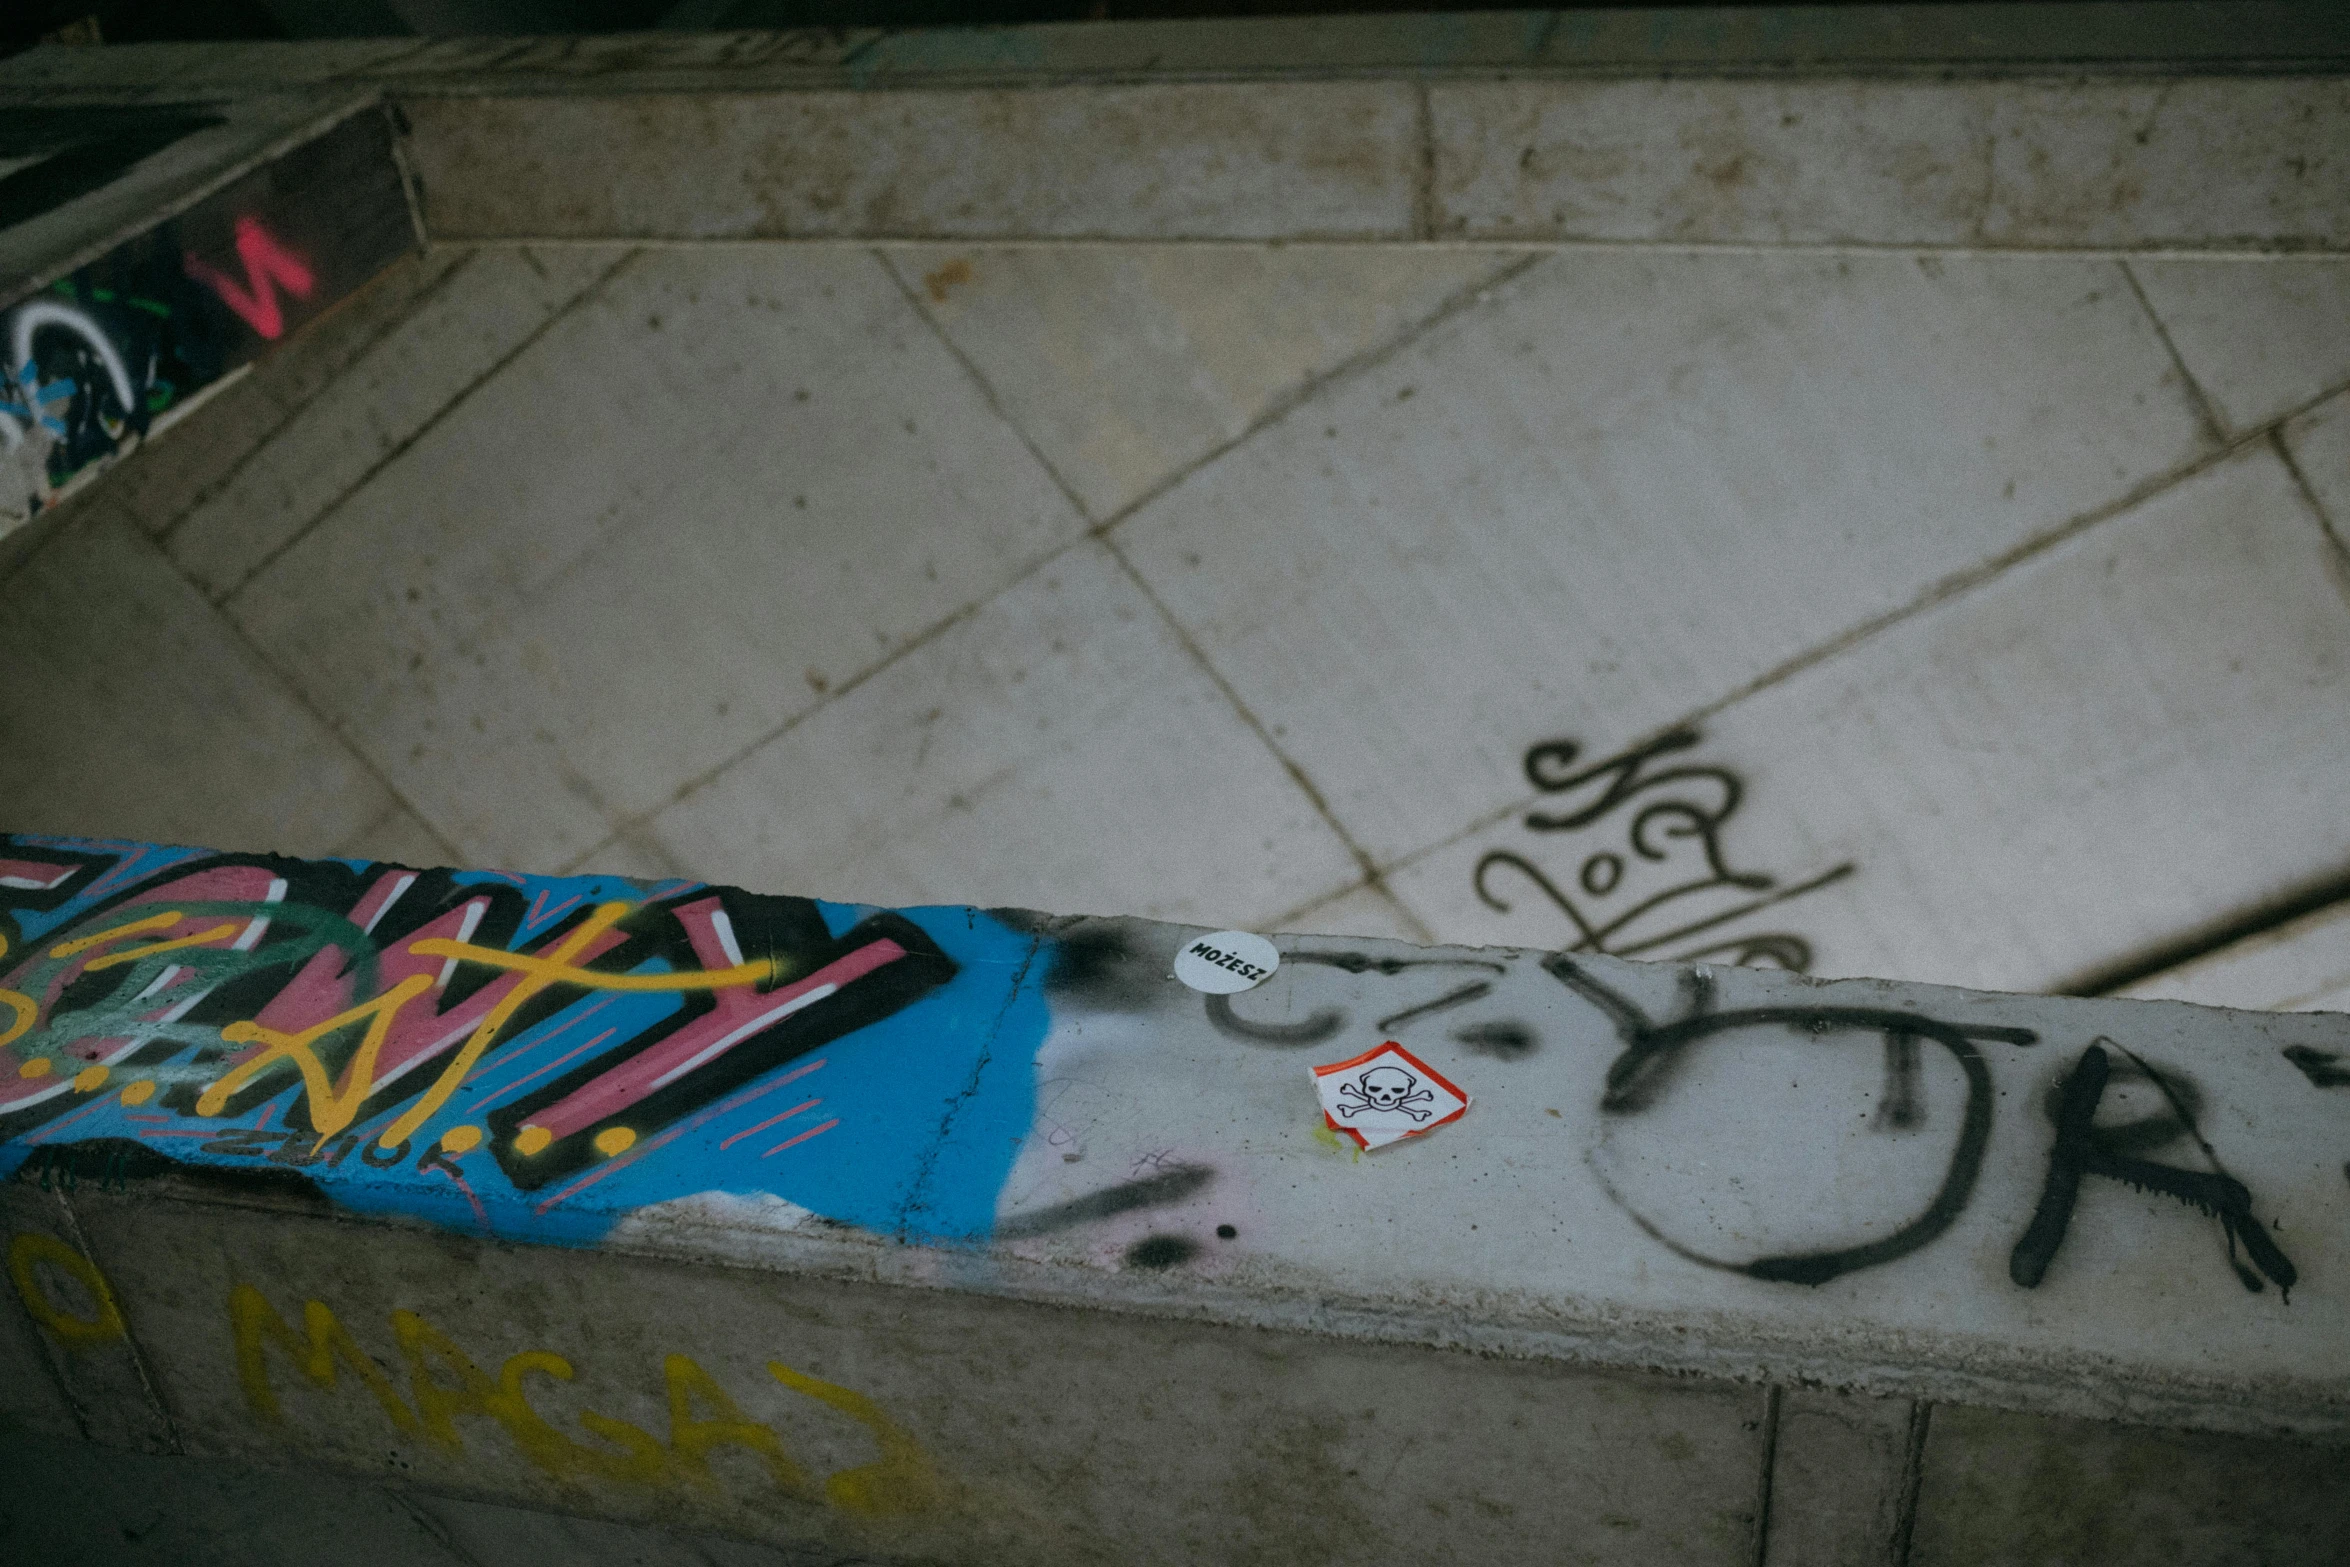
(985, 387)
(1913, 1481)
(1957, 585)
(1277, 410)
(411, 183)
(1766, 1465)
(1424, 163)
(1297, 774)
(81, 511)
(142, 1363)
(1403, 912)
(429, 1522)
(1280, 408)
(1176, 628)
(301, 699)
(347, 849)
(1312, 386)
(424, 296)
(401, 448)
(2317, 507)
(2215, 428)
(642, 820)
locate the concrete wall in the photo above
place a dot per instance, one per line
(941, 1235)
(1722, 463)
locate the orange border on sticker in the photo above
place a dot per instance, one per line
(1446, 1083)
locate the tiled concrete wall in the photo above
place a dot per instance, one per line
(1237, 586)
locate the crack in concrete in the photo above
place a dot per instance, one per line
(901, 1220)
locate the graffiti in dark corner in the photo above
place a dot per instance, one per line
(1653, 1051)
(2082, 1147)
(101, 356)
(1658, 885)
(102, 359)
(531, 1056)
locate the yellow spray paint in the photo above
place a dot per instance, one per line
(691, 1438)
(901, 1481)
(255, 1323)
(103, 1325)
(446, 1384)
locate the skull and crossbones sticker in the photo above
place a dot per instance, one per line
(1386, 1095)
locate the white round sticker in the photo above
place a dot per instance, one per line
(1227, 962)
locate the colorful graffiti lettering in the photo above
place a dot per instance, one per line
(445, 1383)
(524, 1055)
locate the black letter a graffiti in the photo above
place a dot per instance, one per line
(2080, 1150)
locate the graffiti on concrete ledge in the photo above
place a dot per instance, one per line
(1655, 1052)
(531, 1056)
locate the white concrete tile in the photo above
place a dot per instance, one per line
(1059, 750)
(1630, 484)
(2260, 337)
(634, 854)
(401, 837)
(136, 712)
(2303, 966)
(2320, 443)
(2125, 737)
(1125, 364)
(726, 483)
(1363, 911)
(360, 418)
(1188, 160)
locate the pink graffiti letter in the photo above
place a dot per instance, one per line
(269, 266)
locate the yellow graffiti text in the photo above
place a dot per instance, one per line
(103, 1324)
(691, 1438)
(256, 1324)
(641, 1459)
(446, 1385)
(901, 1481)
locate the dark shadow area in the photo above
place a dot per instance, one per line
(154, 21)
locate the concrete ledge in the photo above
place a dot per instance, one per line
(2159, 129)
(1309, 161)
(950, 1234)
(2228, 165)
